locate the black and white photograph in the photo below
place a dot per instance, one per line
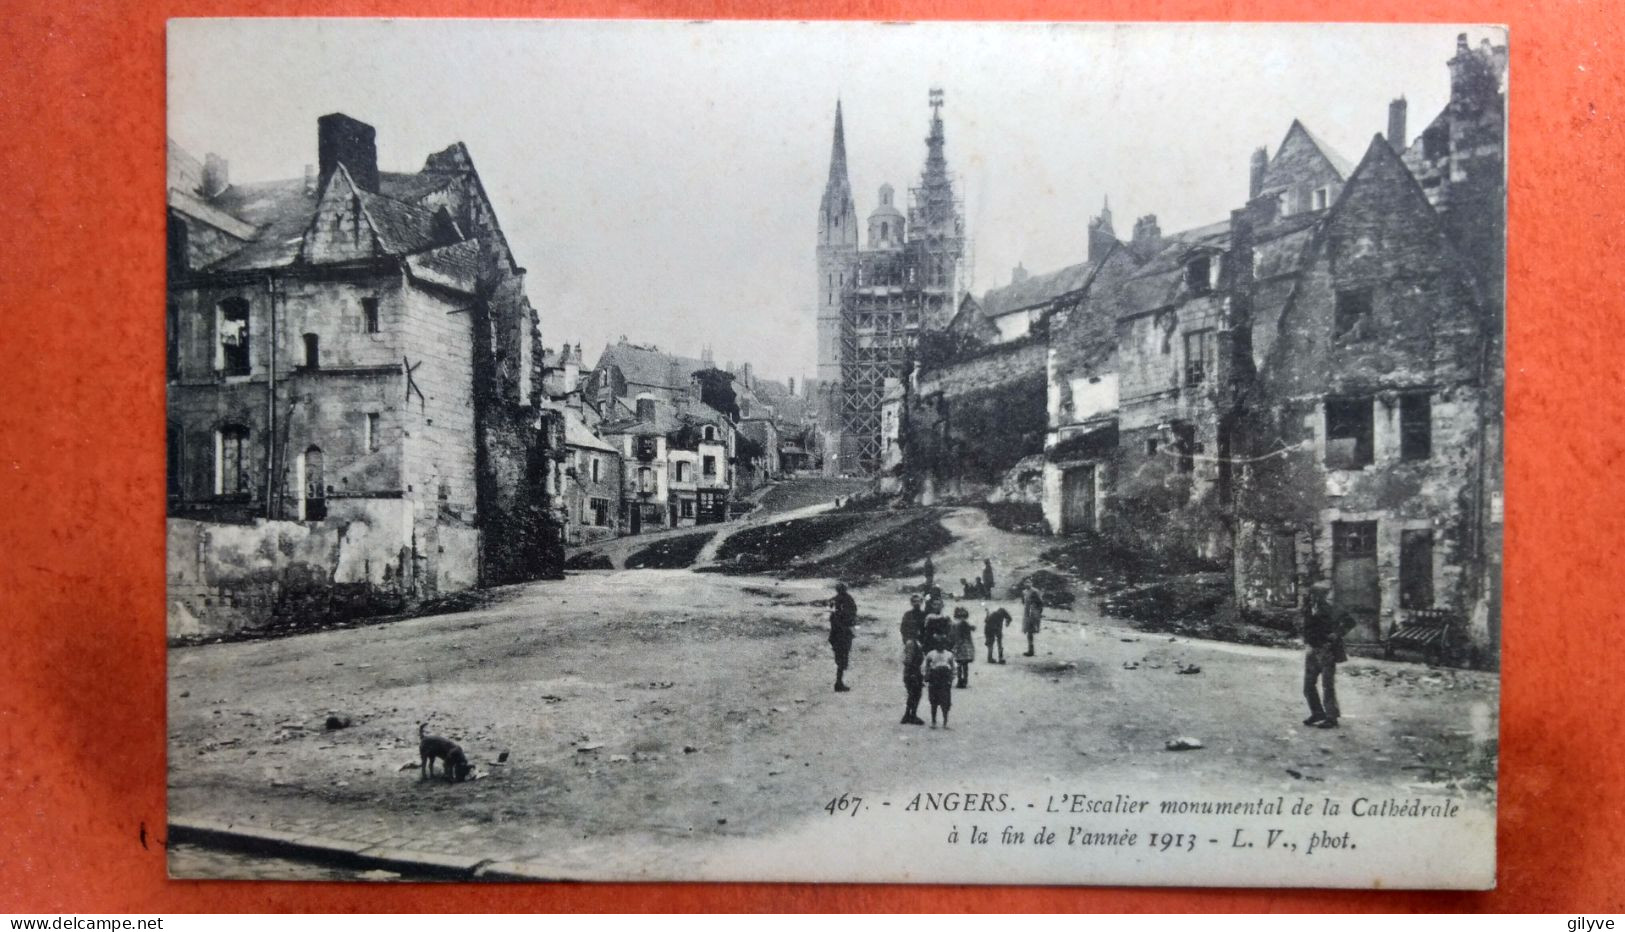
(972, 453)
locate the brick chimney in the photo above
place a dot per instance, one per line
(1396, 124)
(216, 175)
(1255, 174)
(344, 139)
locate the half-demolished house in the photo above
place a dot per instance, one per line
(353, 386)
(1312, 389)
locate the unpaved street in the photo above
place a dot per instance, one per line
(660, 722)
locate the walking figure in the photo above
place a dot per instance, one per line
(912, 629)
(993, 632)
(938, 669)
(987, 579)
(1032, 614)
(843, 618)
(964, 645)
(1324, 626)
(930, 571)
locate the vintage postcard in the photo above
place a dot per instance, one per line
(939, 452)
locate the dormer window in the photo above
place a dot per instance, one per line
(1322, 198)
(1199, 274)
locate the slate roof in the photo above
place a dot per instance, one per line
(649, 367)
(272, 217)
(576, 431)
(1036, 289)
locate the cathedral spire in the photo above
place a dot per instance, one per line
(837, 151)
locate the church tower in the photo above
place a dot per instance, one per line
(936, 228)
(837, 261)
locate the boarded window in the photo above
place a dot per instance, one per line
(1415, 427)
(1353, 313)
(1348, 433)
(232, 461)
(1416, 569)
(231, 320)
(369, 315)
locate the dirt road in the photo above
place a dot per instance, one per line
(665, 723)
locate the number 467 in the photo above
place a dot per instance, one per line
(844, 803)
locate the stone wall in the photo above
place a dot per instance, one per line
(226, 578)
(974, 419)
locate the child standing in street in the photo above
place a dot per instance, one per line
(938, 668)
(964, 645)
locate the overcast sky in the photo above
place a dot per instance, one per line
(662, 180)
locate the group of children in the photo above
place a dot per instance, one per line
(938, 653)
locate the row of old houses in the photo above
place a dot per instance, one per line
(361, 414)
(1309, 389)
(655, 440)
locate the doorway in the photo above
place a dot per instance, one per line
(1078, 499)
(1355, 587)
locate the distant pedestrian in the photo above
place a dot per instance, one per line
(1324, 626)
(993, 632)
(930, 571)
(964, 645)
(843, 619)
(913, 631)
(938, 670)
(987, 579)
(1032, 614)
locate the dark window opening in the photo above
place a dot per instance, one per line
(1416, 569)
(313, 354)
(1415, 427)
(1354, 538)
(1199, 356)
(369, 439)
(315, 489)
(175, 486)
(1348, 433)
(172, 346)
(1353, 310)
(178, 245)
(232, 477)
(369, 315)
(233, 328)
(1185, 445)
(710, 467)
(1436, 142)
(600, 512)
(1151, 447)
(1197, 272)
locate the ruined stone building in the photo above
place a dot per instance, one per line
(1311, 389)
(878, 290)
(353, 390)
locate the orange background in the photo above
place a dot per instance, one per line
(81, 469)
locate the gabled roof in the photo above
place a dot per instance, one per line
(576, 431)
(649, 367)
(1036, 290)
(272, 217)
(1344, 166)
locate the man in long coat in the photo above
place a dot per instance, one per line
(843, 619)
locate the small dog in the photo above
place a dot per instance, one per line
(454, 763)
